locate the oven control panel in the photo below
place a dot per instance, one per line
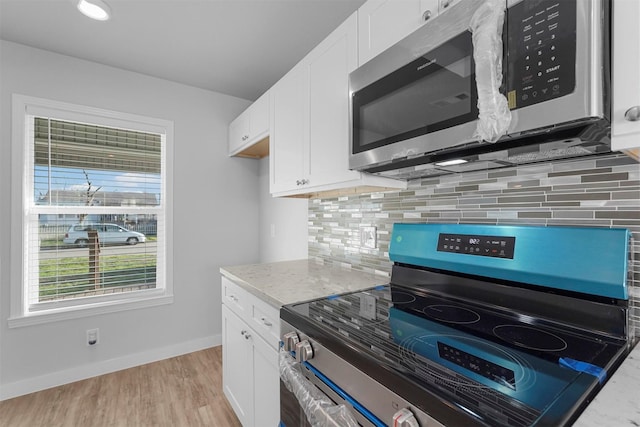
(497, 373)
(491, 246)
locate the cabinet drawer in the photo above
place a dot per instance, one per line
(265, 320)
(235, 298)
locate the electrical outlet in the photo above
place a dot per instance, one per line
(369, 237)
(93, 337)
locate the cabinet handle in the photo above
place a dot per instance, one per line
(446, 3)
(426, 15)
(266, 322)
(233, 298)
(247, 336)
(632, 114)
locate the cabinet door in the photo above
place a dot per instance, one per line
(259, 118)
(382, 23)
(238, 132)
(237, 366)
(288, 139)
(266, 384)
(329, 67)
(626, 75)
(443, 5)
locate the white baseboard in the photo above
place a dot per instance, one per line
(30, 385)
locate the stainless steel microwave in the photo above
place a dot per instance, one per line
(414, 107)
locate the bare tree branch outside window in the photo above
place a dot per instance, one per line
(89, 197)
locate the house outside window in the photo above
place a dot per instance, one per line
(93, 222)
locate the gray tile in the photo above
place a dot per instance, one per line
(560, 204)
(534, 214)
(580, 172)
(635, 195)
(577, 213)
(578, 196)
(521, 199)
(533, 190)
(526, 183)
(634, 214)
(606, 177)
(510, 205)
(616, 161)
(503, 173)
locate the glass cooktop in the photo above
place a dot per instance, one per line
(504, 368)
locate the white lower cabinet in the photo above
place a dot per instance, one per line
(250, 374)
(236, 364)
(266, 385)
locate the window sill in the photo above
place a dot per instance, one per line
(87, 310)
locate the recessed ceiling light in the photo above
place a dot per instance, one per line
(94, 9)
(451, 162)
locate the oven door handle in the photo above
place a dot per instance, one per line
(315, 404)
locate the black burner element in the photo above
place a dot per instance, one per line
(530, 337)
(451, 314)
(403, 298)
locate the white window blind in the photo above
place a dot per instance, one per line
(95, 211)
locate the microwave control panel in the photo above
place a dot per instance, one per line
(491, 246)
(541, 51)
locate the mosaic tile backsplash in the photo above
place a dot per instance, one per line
(596, 191)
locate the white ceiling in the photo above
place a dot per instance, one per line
(236, 47)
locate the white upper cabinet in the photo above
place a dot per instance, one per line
(248, 131)
(329, 66)
(382, 23)
(309, 139)
(625, 120)
(289, 121)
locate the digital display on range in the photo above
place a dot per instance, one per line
(496, 373)
(491, 246)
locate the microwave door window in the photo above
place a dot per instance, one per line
(431, 93)
(445, 94)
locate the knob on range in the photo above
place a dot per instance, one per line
(404, 418)
(304, 351)
(290, 340)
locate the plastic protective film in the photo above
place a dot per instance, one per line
(319, 409)
(486, 27)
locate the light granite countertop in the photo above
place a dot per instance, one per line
(286, 282)
(618, 403)
(280, 283)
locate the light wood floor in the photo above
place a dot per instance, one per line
(182, 391)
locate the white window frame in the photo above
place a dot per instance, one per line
(20, 314)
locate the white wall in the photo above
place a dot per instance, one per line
(283, 223)
(216, 207)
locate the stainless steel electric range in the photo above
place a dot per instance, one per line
(479, 325)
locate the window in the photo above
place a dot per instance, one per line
(93, 221)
